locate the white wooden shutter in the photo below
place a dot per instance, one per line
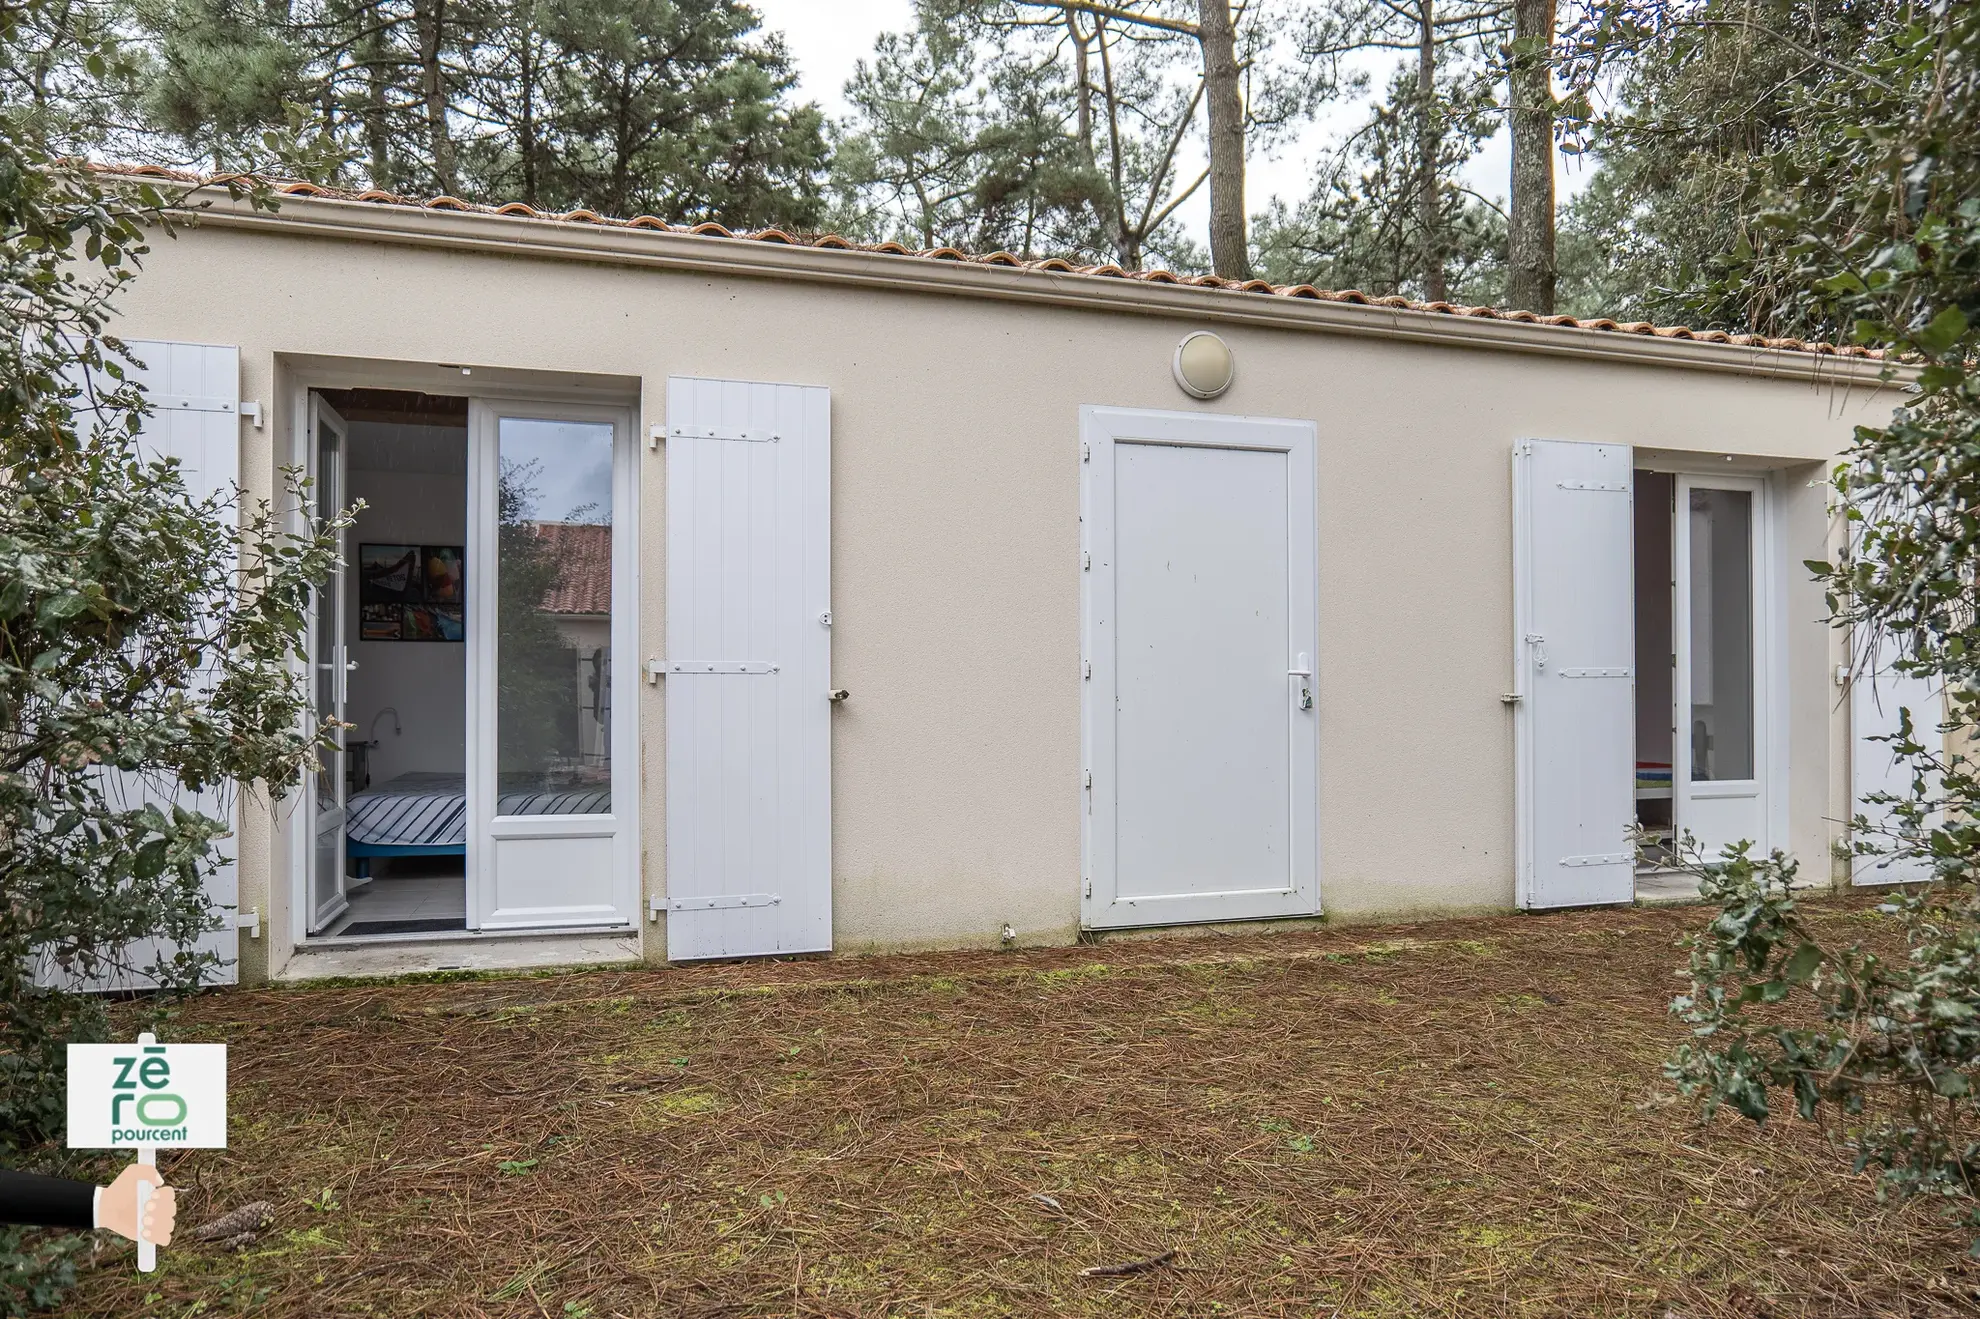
(748, 669)
(1573, 538)
(1876, 695)
(194, 391)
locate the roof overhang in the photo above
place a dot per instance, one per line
(548, 239)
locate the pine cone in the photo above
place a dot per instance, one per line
(237, 1227)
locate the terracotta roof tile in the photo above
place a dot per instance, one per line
(583, 552)
(1049, 265)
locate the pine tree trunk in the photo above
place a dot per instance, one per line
(532, 186)
(1127, 243)
(1429, 146)
(1230, 253)
(431, 18)
(1083, 93)
(1530, 278)
(377, 134)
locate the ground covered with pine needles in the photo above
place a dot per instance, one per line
(1458, 1118)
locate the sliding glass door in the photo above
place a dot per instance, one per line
(552, 770)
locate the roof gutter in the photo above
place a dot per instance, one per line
(518, 236)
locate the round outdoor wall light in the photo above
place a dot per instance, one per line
(1204, 366)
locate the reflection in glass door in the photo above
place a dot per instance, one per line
(1721, 717)
(553, 490)
(330, 666)
(1721, 661)
(554, 631)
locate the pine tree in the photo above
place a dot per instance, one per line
(944, 151)
(678, 107)
(1386, 219)
(218, 74)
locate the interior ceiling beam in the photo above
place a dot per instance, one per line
(398, 406)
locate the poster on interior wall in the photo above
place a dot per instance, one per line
(411, 593)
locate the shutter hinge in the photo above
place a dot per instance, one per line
(711, 433)
(1086, 668)
(1089, 780)
(1086, 559)
(1085, 452)
(720, 902)
(162, 403)
(685, 668)
(1089, 888)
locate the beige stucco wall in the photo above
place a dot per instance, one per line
(955, 543)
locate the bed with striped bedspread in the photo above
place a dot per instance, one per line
(430, 810)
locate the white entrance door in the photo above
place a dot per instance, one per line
(552, 629)
(748, 669)
(1575, 718)
(1719, 771)
(1200, 603)
(330, 665)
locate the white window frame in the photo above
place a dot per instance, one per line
(485, 416)
(1772, 559)
(295, 383)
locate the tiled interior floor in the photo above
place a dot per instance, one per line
(1666, 886)
(1682, 886)
(419, 897)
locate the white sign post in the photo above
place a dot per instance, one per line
(146, 1097)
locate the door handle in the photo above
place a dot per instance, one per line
(1305, 675)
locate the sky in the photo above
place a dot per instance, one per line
(827, 38)
(572, 478)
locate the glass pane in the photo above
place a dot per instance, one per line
(329, 608)
(1721, 634)
(553, 647)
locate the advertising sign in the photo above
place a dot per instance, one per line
(162, 1096)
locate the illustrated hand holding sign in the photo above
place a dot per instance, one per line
(147, 1096)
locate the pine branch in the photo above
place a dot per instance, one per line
(1117, 13)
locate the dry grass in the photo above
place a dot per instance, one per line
(1462, 1118)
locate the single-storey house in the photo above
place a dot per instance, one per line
(721, 595)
